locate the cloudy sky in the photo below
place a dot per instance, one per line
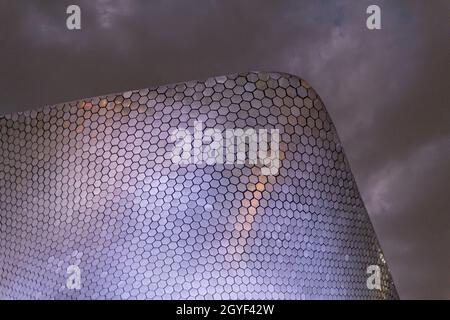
(388, 90)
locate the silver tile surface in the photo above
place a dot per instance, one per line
(91, 184)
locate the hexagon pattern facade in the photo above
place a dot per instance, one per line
(90, 184)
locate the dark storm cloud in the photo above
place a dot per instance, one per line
(386, 90)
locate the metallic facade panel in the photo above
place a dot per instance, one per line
(91, 185)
